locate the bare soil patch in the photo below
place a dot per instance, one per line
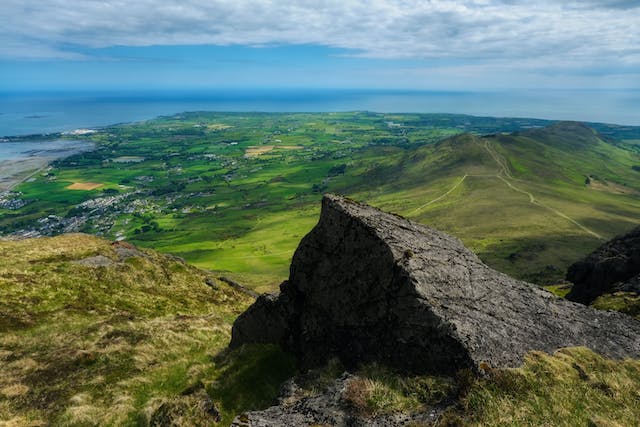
(84, 186)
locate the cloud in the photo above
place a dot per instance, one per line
(577, 32)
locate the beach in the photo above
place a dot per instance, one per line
(21, 160)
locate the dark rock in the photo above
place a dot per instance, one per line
(211, 283)
(631, 285)
(327, 408)
(370, 286)
(237, 286)
(605, 269)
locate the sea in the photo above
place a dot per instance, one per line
(26, 113)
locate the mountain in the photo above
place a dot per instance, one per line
(528, 203)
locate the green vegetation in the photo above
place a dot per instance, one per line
(94, 333)
(572, 387)
(378, 391)
(236, 192)
(249, 378)
(625, 302)
(560, 290)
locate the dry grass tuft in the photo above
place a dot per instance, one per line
(574, 386)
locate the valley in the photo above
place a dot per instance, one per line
(235, 192)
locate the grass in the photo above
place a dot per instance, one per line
(249, 377)
(574, 386)
(625, 302)
(377, 390)
(82, 344)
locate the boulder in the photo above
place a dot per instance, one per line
(368, 286)
(606, 269)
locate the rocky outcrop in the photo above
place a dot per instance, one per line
(613, 266)
(368, 286)
(330, 407)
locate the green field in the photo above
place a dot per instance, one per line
(236, 192)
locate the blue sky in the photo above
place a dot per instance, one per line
(392, 44)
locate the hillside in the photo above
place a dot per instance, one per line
(102, 333)
(95, 333)
(235, 192)
(529, 203)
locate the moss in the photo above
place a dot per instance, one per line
(625, 302)
(560, 290)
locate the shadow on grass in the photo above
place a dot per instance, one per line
(249, 378)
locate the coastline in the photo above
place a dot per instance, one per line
(28, 158)
(29, 113)
(14, 172)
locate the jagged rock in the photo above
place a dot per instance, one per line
(370, 286)
(606, 269)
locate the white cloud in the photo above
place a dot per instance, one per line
(575, 32)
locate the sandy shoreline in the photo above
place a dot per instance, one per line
(34, 158)
(13, 172)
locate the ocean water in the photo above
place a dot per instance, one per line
(39, 113)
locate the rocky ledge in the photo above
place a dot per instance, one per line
(369, 286)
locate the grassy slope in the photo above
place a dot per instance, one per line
(458, 186)
(85, 345)
(569, 388)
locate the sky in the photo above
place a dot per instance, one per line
(377, 44)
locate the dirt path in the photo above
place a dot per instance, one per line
(419, 208)
(504, 174)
